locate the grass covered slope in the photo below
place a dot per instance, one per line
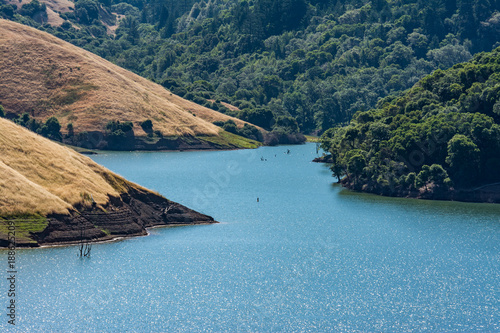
(45, 76)
(440, 139)
(64, 191)
(60, 177)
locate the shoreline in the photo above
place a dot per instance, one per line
(476, 195)
(99, 151)
(97, 140)
(111, 239)
(486, 193)
(128, 215)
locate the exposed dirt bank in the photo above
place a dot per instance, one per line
(124, 216)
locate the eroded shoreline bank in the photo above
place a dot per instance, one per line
(130, 215)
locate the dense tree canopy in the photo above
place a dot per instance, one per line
(316, 61)
(443, 133)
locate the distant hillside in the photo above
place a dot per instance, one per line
(49, 14)
(287, 65)
(53, 194)
(439, 140)
(44, 76)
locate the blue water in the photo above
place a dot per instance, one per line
(308, 257)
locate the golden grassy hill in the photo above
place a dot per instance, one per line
(45, 76)
(48, 190)
(43, 177)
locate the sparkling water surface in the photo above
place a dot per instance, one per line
(307, 256)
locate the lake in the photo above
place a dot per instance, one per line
(307, 256)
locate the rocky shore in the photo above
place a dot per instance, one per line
(324, 159)
(125, 216)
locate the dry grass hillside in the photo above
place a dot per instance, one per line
(43, 177)
(46, 76)
(50, 194)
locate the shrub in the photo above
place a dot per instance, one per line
(116, 137)
(280, 137)
(51, 129)
(7, 11)
(126, 126)
(199, 100)
(70, 129)
(120, 135)
(464, 160)
(147, 126)
(30, 9)
(230, 126)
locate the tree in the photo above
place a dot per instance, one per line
(464, 160)
(423, 177)
(32, 8)
(131, 25)
(87, 11)
(356, 164)
(262, 117)
(337, 168)
(71, 130)
(116, 138)
(119, 135)
(278, 16)
(51, 129)
(351, 134)
(287, 124)
(439, 176)
(230, 126)
(272, 86)
(126, 126)
(7, 11)
(147, 125)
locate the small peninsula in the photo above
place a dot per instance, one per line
(50, 195)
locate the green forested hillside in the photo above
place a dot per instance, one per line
(442, 134)
(291, 65)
